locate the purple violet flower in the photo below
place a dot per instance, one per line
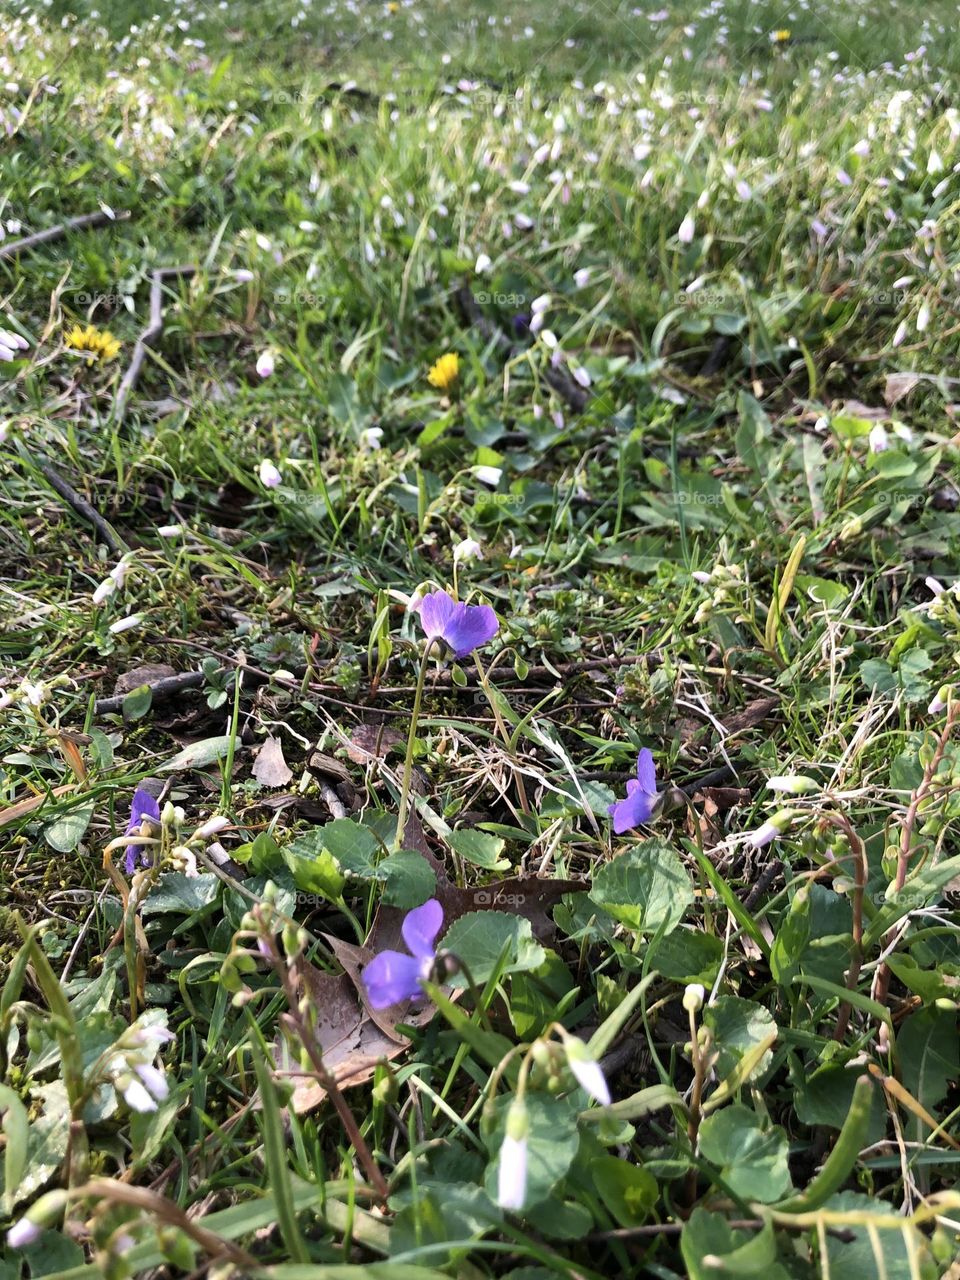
(641, 798)
(144, 805)
(463, 627)
(391, 976)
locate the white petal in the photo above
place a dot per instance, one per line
(137, 1098)
(512, 1174)
(154, 1080)
(591, 1078)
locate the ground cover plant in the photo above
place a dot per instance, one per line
(478, 740)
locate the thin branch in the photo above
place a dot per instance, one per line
(83, 508)
(150, 334)
(14, 247)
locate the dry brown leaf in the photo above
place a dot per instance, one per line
(753, 713)
(270, 769)
(899, 385)
(150, 674)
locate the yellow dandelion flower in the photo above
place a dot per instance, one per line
(99, 344)
(445, 372)
(393, 7)
(781, 36)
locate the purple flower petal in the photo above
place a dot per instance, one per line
(464, 627)
(143, 805)
(421, 926)
(646, 770)
(470, 626)
(390, 978)
(435, 611)
(633, 811)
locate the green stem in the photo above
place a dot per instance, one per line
(64, 1027)
(411, 739)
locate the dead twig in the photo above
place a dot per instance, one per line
(15, 247)
(150, 334)
(108, 535)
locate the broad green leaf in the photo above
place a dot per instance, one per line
(711, 1248)
(646, 888)
(929, 1052)
(738, 1026)
(552, 1142)
(479, 938)
(66, 832)
(858, 1259)
(627, 1190)
(198, 755)
(752, 1157)
(176, 892)
(409, 880)
(313, 867)
(478, 847)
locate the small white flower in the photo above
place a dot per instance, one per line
(588, 1072)
(269, 473)
(212, 826)
(939, 703)
(265, 364)
(137, 1097)
(468, 549)
(488, 475)
(371, 438)
(149, 1037)
(772, 829)
(154, 1080)
(581, 376)
(243, 276)
(512, 1174)
(35, 693)
(900, 334)
(540, 304)
(23, 1233)
(694, 994)
(171, 530)
(484, 263)
(934, 162)
(549, 339)
(878, 440)
(581, 278)
(126, 624)
(923, 318)
(763, 835)
(105, 589)
(686, 230)
(794, 784)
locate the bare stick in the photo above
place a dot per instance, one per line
(62, 229)
(167, 687)
(150, 334)
(83, 508)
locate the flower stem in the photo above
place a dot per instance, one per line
(411, 739)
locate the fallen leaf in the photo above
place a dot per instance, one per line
(270, 769)
(899, 385)
(149, 674)
(753, 713)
